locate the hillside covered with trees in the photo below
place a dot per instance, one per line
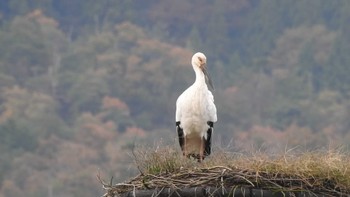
(82, 82)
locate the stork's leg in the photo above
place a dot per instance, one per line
(201, 151)
(184, 149)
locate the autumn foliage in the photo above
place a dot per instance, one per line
(83, 82)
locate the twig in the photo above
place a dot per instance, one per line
(135, 158)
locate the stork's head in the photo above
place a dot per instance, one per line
(199, 61)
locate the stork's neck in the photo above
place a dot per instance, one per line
(200, 77)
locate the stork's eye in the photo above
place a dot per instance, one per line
(200, 59)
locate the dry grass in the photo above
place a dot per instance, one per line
(318, 172)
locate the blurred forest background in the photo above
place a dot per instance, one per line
(83, 80)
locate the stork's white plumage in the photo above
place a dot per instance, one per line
(196, 113)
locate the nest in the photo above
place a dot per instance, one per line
(312, 174)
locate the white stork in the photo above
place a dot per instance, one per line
(196, 113)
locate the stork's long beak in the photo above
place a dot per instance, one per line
(207, 76)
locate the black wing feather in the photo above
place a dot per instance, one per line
(207, 142)
(180, 133)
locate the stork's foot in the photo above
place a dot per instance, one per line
(197, 156)
(186, 155)
(200, 159)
